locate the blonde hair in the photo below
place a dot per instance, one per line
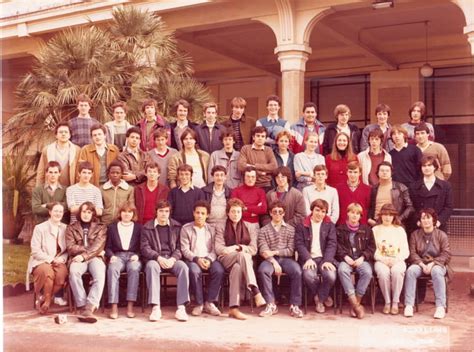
(356, 208)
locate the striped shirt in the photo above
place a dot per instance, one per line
(283, 241)
(76, 195)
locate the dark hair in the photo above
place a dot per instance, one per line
(382, 108)
(354, 165)
(384, 163)
(277, 204)
(208, 106)
(376, 133)
(218, 168)
(234, 202)
(227, 133)
(120, 104)
(149, 102)
(310, 105)
(202, 204)
(152, 165)
(161, 204)
(259, 129)
(389, 209)
(249, 169)
(128, 206)
(85, 165)
(335, 154)
(182, 102)
(185, 168)
(53, 163)
(418, 104)
(429, 159)
(186, 132)
(51, 205)
(83, 97)
(88, 206)
(285, 171)
(98, 126)
(62, 124)
(133, 130)
(422, 127)
(320, 167)
(431, 212)
(273, 98)
(115, 163)
(160, 132)
(319, 203)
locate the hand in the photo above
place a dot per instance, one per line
(328, 266)
(113, 259)
(358, 262)
(164, 263)
(134, 258)
(309, 264)
(267, 254)
(203, 263)
(78, 259)
(371, 222)
(231, 249)
(349, 260)
(277, 268)
(427, 268)
(58, 260)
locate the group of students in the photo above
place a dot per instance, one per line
(186, 199)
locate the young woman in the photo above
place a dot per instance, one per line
(342, 114)
(306, 161)
(337, 160)
(283, 155)
(391, 251)
(117, 128)
(123, 249)
(48, 257)
(417, 114)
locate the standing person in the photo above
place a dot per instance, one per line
(162, 154)
(342, 114)
(236, 244)
(370, 158)
(417, 114)
(405, 157)
(64, 152)
(273, 123)
(308, 124)
(149, 193)
(429, 256)
(150, 123)
(283, 155)
(115, 192)
(355, 252)
(161, 253)
(100, 154)
(182, 109)
(48, 257)
(382, 112)
(85, 241)
(337, 161)
(209, 132)
(197, 245)
(134, 159)
(305, 162)
(392, 250)
(240, 123)
(315, 242)
(320, 190)
(118, 127)
(123, 250)
(80, 125)
(190, 155)
(276, 245)
(227, 157)
(259, 156)
(216, 194)
(436, 150)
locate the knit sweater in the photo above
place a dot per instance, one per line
(263, 160)
(391, 242)
(282, 241)
(337, 170)
(304, 162)
(439, 152)
(406, 164)
(360, 195)
(293, 200)
(254, 200)
(329, 194)
(182, 203)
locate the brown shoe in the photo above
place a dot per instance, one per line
(130, 313)
(87, 315)
(356, 307)
(386, 309)
(259, 300)
(237, 314)
(394, 310)
(113, 312)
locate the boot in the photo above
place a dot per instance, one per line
(130, 312)
(237, 314)
(114, 311)
(88, 314)
(358, 309)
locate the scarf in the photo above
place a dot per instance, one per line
(239, 235)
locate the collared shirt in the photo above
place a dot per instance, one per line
(135, 152)
(403, 146)
(101, 150)
(201, 246)
(183, 124)
(51, 189)
(315, 244)
(191, 186)
(277, 227)
(258, 148)
(426, 147)
(156, 223)
(353, 188)
(271, 119)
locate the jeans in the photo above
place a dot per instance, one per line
(133, 276)
(313, 284)
(96, 268)
(439, 284)
(364, 271)
(216, 272)
(288, 266)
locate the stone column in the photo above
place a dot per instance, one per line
(469, 30)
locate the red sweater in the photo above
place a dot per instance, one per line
(361, 195)
(251, 196)
(337, 171)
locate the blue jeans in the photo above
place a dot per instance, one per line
(313, 284)
(96, 268)
(364, 271)
(216, 272)
(288, 266)
(439, 285)
(133, 276)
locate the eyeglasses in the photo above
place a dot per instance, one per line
(278, 212)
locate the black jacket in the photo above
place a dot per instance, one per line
(150, 245)
(209, 190)
(114, 244)
(173, 125)
(202, 132)
(400, 199)
(331, 132)
(327, 240)
(364, 241)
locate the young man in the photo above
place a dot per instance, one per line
(342, 115)
(321, 190)
(162, 154)
(382, 111)
(118, 127)
(240, 123)
(316, 244)
(183, 197)
(276, 245)
(405, 157)
(115, 192)
(353, 191)
(160, 250)
(149, 193)
(417, 114)
(209, 132)
(133, 158)
(227, 157)
(272, 122)
(100, 154)
(50, 191)
(259, 156)
(216, 194)
(308, 123)
(64, 152)
(82, 123)
(150, 123)
(371, 157)
(436, 150)
(84, 191)
(197, 246)
(182, 108)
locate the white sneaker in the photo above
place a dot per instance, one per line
(408, 311)
(60, 301)
(197, 311)
(155, 313)
(181, 314)
(270, 309)
(440, 313)
(210, 308)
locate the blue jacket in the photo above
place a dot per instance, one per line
(327, 240)
(299, 131)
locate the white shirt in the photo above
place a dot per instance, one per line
(125, 234)
(315, 244)
(201, 247)
(429, 182)
(285, 158)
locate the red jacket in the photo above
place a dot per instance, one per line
(147, 142)
(361, 195)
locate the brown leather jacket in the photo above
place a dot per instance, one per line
(95, 240)
(418, 247)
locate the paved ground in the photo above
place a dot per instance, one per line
(24, 330)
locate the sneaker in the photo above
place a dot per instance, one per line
(210, 308)
(328, 302)
(408, 311)
(440, 313)
(295, 311)
(155, 313)
(181, 314)
(60, 301)
(269, 310)
(197, 311)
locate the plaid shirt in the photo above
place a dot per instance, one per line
(81, 130)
